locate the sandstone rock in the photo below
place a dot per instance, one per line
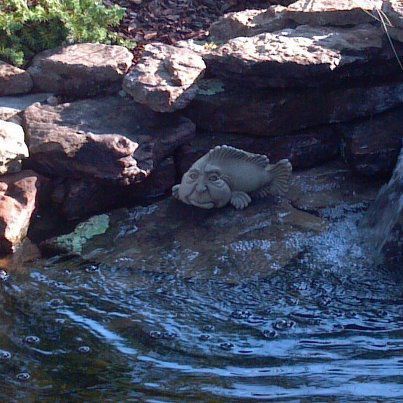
(80, 198)
(187, 244)
(22, 259)
(11, 106)
(371, 146)
(330, 190)
(383, 224)
(165, 78)
(304, 57)
(18, 200)
(333, 12)
(81, 70)
(304, 149)
(13, 80)
(393, 10)
(249, 23)
(230, 244)
(12, 147)
(109, 138)
(276, 113)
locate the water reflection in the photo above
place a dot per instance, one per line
(314, 328)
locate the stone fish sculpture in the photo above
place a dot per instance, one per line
(229, 175)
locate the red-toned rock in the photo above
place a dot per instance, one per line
(14, 80)
(305, 148)
(278, 112)
(105, 139)
(18, 200)
(80, 70)
(371, 146)
(165, 79)
(81, 198)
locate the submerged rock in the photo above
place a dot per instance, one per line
(14, 80)
(225, 242)
(81, 70)
(18, 200)
(383, 224)
(165, 79)
(74, 242)
(12, 147)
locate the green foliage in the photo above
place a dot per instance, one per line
(30, 26)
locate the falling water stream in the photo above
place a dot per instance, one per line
(315, 329)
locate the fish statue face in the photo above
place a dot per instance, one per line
(229, 175)
(204, 186)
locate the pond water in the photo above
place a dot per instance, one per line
(314, 329)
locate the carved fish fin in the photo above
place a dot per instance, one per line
(262, 192)
(240, 200)
(227, 152)
(280, 178)
(175, 191)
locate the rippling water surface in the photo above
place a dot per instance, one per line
(314, 329)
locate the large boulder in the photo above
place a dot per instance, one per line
(383, 224)
(12, 106)
(333, 12)
(18, 200)
(231, 244)
(14, 80)
(81, 70)
(393, 9)
(371, 147)
(12, 147)
(165, 78)
(220, 108)
(80, 198)
(249, 23)
(305, 56)
(105, 139)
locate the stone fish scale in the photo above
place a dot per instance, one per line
(226, 174)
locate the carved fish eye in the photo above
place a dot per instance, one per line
(193, 175)
(213, 178)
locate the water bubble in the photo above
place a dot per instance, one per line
(169, 335)
(32, 339)
(56, 302)
(241, 314)
(92, 268)
(60, 321)
(155, 334)
(283, 324)
(23, 376)
(3, 275)
(4, 355)
(269, 334)
(204, 337)
(84, 349)
(226, 346)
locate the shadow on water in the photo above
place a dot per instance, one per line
(315, 328)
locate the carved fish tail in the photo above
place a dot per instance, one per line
(280, 177)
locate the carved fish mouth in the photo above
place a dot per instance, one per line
(208, 205)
